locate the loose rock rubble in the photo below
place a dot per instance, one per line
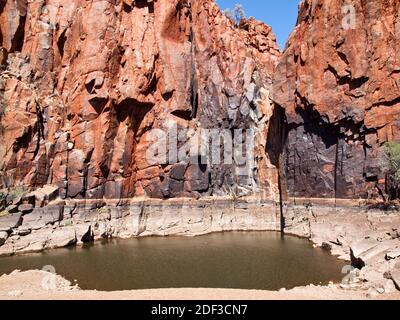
(367, 239)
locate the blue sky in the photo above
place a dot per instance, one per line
(281, 15)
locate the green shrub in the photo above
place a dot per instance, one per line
(392, 159)
(18, 191)
(102, 210)
(391, 164)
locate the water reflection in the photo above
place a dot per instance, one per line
(245, 260)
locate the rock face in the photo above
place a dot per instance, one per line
(78, 221)
(89, 88)
(338, 83)
(86, 82)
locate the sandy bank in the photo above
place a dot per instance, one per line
(365, 235)
(32, 285)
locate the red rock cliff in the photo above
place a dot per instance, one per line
(83, 82)
(338, 82)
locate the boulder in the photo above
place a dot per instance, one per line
(28, 199)
(22, 231)
(10, 221)
(395, 275)
(197, 178)
(3, 237)
(178, 172)
(13, 199)
(394, 234)
(41, 217)
(33, 242)
(44, 195)
(84, 233)
(393, 254)
(34, 221)
(359, 248)
(62, 237)
(7, 249)
(389, 286)
(367, 251)
(25, 208)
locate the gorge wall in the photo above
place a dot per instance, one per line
(338, 82)
(83, 84)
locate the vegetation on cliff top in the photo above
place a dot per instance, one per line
(237, 14)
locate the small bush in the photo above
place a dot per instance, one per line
(102, 210)
(229, 14)
(392, 157)
(18, 191)
(237, 14)
(14, 192)
(391, 164)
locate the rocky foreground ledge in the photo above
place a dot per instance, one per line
(38, 224)
(366, 236)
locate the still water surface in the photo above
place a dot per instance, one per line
(242, 260)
